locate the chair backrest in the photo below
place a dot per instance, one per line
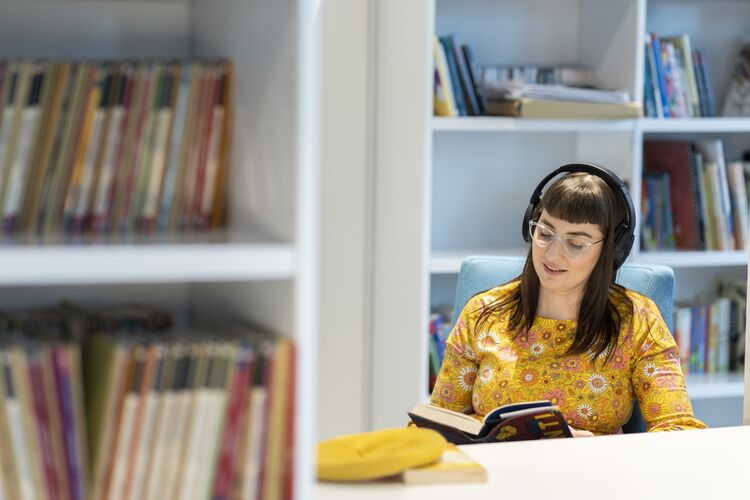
(478, 274)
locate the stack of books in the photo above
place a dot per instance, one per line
(534, 100)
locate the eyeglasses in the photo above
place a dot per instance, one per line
(572, 246)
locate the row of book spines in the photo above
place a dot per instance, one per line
(113, 146)
(677, 82)
(708, 336)
(234, 405)
(694, 204)
(457, 88)
(205, 466)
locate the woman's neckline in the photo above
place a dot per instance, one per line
(544, 319)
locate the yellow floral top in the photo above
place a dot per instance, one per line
(486, 369)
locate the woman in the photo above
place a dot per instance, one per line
(563, 331)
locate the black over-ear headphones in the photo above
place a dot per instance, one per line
(625, 230)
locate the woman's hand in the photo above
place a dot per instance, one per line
(578, 433)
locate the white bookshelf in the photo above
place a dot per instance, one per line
(449, 262)
(695, 259)
(694, 125)
(120, 264)
(470, 178)
(507, 124)
(715, 386)
(264, 267)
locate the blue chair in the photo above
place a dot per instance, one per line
(478, 274)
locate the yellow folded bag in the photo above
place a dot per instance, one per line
(377, 454)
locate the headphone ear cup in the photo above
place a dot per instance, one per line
(623, 244)
(526, 219)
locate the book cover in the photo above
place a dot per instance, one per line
(649, 103)
(706, 79)
(470, 98)
(9, 460)
(230, 438)
(673, 158)
(453, 466)
(444, 103)
(219, 202)
(515, 422)
(685, 52)
(205, 200)
(471, 65)
(29, 135)
(458, 93)
(659, 74)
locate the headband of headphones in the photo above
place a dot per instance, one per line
(624, 231)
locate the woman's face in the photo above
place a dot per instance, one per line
(559, 272)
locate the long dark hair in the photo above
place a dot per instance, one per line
(578, 198)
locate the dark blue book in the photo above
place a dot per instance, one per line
(648, 90)
(475, 76)
(656, 48)
(470, 97)
(458, 91)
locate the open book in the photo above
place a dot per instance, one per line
(513, 422)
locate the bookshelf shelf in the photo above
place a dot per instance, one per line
(118, 264)
(688, 259)
(507, 124)
(714, 386)
(694, 125)
(449, 261)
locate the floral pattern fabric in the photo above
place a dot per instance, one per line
(489, 368)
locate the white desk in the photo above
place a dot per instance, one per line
(705, 465)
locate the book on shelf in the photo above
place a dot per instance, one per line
(512, 422)
(454, 73)
(453, 43)
(444, 104)
(547, 108)
(124, 147)
(511, 90)
(453, 466)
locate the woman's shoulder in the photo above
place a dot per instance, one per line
(647, 322)
(641, 304)
(495, 295)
